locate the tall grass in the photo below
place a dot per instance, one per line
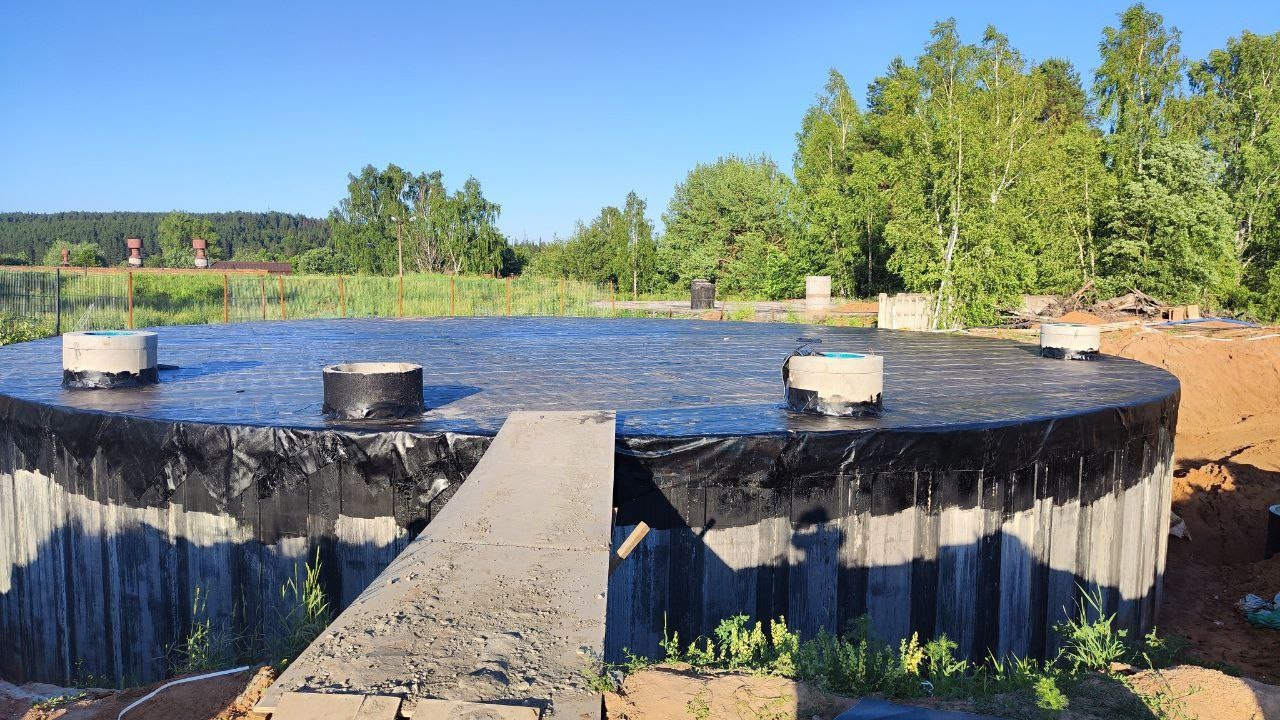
(303, 613)
(100, 299)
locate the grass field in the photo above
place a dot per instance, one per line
(97, 299)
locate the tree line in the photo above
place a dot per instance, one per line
(976, 175)
(98, 237)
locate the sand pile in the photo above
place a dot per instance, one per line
(1081, 317)
(1227, 471)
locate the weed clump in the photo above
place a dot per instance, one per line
(855, 663)
(304, 612)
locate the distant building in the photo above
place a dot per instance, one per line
(275, 268)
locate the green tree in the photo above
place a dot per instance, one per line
(1236, 98)
(963, 134)
(636, 265)
(617, 246)
(363, 227)
(79, 255)
(1170, 230)
(841, 208)
(1065, 101)
(727, 222)
(322, 261)
(385, 210)
(174, 236)
(1140, 72)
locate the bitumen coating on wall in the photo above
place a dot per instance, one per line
(986, 463)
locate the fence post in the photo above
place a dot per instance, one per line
(282, 313)
(226, 300)
(562, 284)
(130, 273)
(508, 296)
(613, 298)
(342, 298)
(57, 302)
(453, 294)
(262, 281)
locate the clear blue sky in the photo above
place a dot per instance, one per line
(558, 110)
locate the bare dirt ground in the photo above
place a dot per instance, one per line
(1190, 692)
(230, 697)
(676, 693)
(1227, 471)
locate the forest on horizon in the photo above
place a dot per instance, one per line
(968, 172)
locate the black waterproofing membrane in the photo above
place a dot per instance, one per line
(234, 435)
(96, 380)
(700, 408)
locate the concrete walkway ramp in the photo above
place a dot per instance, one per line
(500, 600)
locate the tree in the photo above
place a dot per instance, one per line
(364, 230)
(636, 265)
(1065, 102)
(1140, 72)
(79, 254)
(1237, 101)
(386, 209)
(174, 236)
(1170, 230)
(840, 205)
(728, 222)
(616, 247)
(322, 261)
(964, 140)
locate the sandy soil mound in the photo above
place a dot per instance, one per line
(230, 697)
(676, 693)
(1210, 695)
(1227, 473)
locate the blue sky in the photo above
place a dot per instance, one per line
(557, 109)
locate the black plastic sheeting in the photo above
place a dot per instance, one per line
(700, 404)
(235, 428)
(97, 380)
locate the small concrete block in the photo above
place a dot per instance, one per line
(318, 706)
(379, 707)
(431, 709)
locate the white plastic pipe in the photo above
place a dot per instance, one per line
(168, 685)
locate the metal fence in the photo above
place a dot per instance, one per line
(63, 299)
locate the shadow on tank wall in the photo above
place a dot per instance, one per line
(994, 559)
(96, 612)
(105, 542)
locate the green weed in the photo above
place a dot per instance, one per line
(14, 329)
(307, 615)
(204, 648)
(1092, 644)
(53, 703)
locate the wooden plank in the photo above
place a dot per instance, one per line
(633, 539)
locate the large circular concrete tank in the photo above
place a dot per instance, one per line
(993, 485)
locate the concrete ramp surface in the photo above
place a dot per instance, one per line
(500, 600)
